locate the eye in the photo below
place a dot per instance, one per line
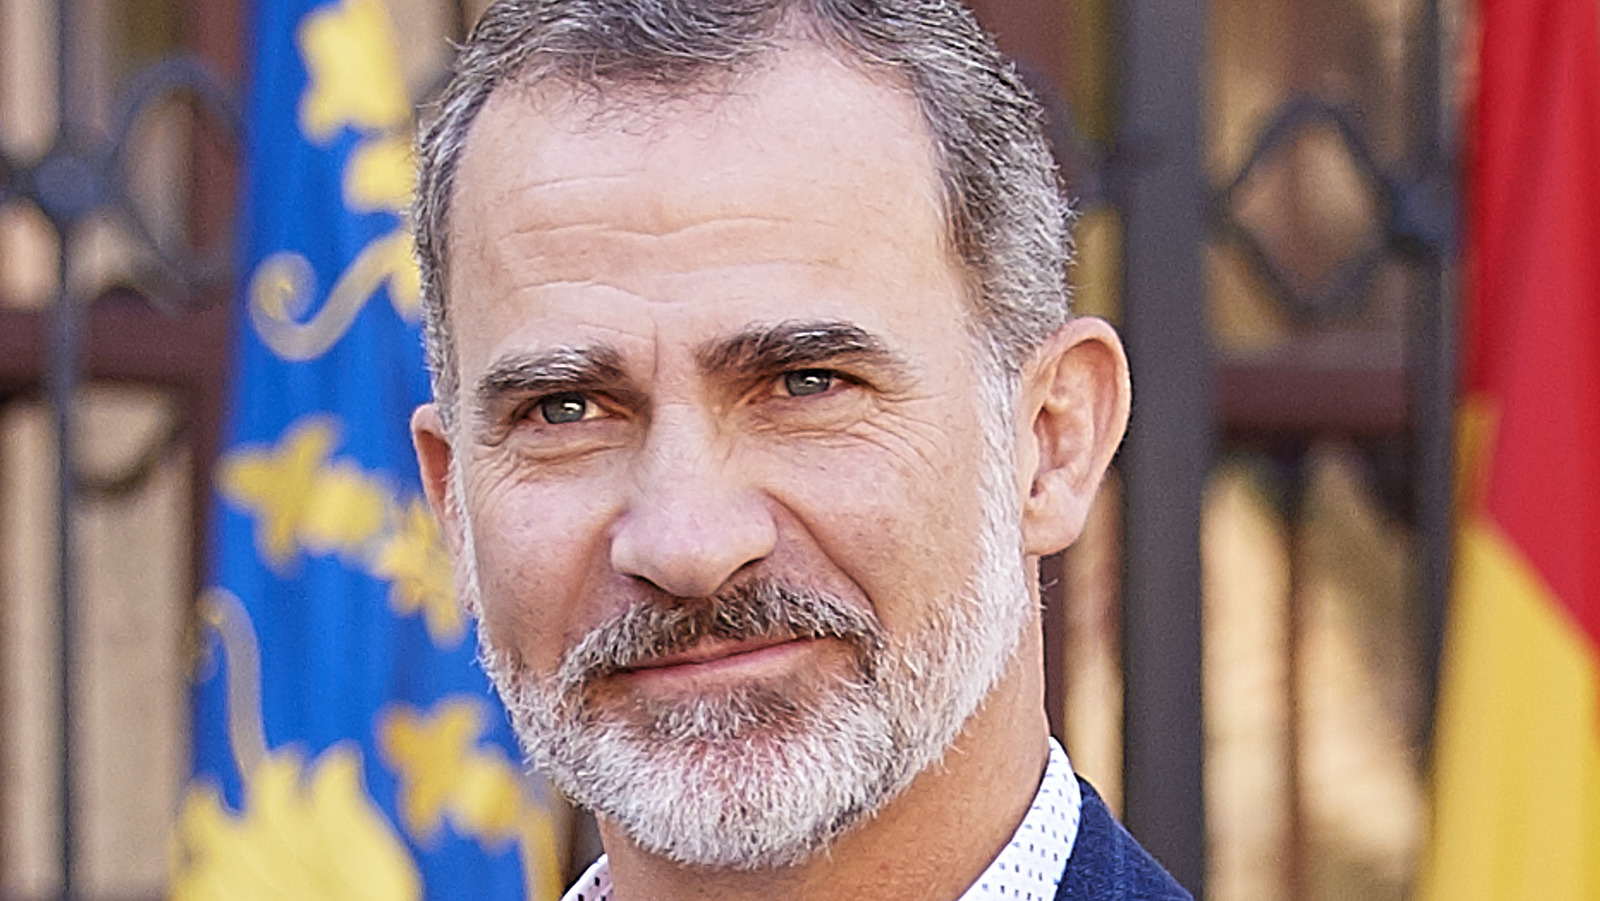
(808, 382)
(568, 406)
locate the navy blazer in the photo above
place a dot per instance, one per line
(1108, 865)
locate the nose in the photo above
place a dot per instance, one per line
(694, 519)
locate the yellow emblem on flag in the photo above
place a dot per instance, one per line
(277, 485)
(415, 561)
(301, 835)
(353, 80)
(380, 175)
(446, 774)
(304, 499)
(354, 71)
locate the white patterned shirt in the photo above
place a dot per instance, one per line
(1029, 868)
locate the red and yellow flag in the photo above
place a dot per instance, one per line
(1517, 748)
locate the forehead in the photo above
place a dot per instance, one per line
(807, 186)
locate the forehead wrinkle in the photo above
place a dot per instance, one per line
(669, 284)
(554, 182)
(617, 256)
(548, 228)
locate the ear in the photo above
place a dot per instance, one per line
(435, 459)
(1073, 410)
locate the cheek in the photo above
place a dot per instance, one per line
(906, 535)
(541, 551)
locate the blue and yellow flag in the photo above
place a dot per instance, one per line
(346, 747)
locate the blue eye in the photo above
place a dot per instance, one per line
(569, 406)
(806, 382)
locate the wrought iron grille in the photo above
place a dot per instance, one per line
(1150, 173)
(166, 332)
(1195, 403)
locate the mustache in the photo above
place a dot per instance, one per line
(758, 609)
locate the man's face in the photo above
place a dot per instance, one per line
(734, 497)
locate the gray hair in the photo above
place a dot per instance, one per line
(1006, 219)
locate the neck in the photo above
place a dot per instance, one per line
(960, 812)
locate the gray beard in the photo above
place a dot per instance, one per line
(766, 776)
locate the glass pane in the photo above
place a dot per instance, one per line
(133, 573)
(1310, 204)
(1359, 686)
(29, 261)
(27, 78)
(1245, 617)
(143, 32)
(1092, 651)
(1312, 680)
(28, 654)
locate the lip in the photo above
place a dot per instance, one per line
(715, 655)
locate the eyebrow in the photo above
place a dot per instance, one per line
(761, 350)
(549, 371)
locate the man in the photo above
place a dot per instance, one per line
(757, 399)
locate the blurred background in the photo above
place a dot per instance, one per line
(1243, 650)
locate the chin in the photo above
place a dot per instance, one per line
(767, 773)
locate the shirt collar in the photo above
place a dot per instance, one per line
(1028, 867)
